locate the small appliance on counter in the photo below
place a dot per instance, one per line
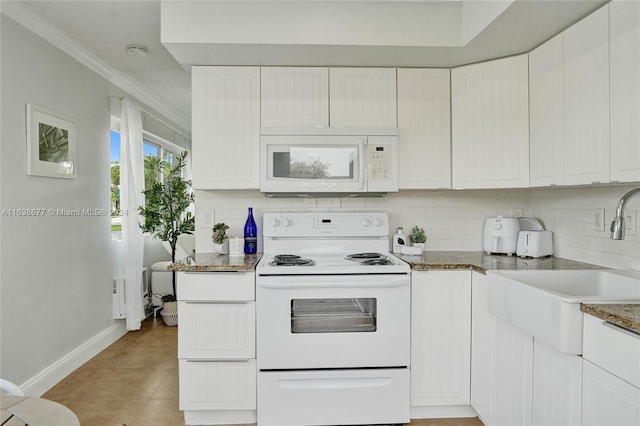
(500, 235)
(538, 243)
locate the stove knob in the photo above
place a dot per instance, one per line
(378, 222)
(275, 222)
(365, 222)
(286, 222)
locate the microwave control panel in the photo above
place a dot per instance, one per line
(380, 162)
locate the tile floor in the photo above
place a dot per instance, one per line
(134, 382)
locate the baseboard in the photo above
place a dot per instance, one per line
(443, 411)
(51, 375)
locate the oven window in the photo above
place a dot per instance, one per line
(351, 315)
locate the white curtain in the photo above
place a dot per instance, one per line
(131, 187)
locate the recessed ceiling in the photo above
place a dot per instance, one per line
(106, 28)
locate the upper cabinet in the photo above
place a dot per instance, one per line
(226, 127)
(546, 114)
(586, 100)
(294, 97)
(362, 97)
(490, 124)
(328, 97)
(424, 128)
(624, 57)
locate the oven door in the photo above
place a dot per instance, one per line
(333, 321)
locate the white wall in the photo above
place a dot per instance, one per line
(453, 220)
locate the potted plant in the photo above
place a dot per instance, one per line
(166, 211)
(220, 238)
(418, 237)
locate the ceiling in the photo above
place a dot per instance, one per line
(105, 28)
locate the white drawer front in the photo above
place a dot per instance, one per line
(217, 385)
(219, 286)
(217, 330)
(615, 349)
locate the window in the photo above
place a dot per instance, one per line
(155, 149)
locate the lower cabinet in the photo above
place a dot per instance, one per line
(610, 375)
(216, 347)
(440, 344)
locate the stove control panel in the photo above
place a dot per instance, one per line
(311, 224)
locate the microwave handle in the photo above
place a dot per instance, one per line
(364, 160)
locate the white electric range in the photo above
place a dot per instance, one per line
(333, 321)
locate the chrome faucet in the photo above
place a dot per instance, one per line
(617, 226)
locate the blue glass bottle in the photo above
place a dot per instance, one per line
(250, 234)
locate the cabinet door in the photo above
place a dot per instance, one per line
(586, 100)
(440, 338)
(490, 124)
(484, 345)
(216, 330)
(424, 128)
(294, 97)
(625, 90)
(217, 385)
(362, 97)
(546, 129)
(515, 376)
(608, 400)
(557, 387)
(226, 127)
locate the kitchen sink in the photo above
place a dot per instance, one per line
(546, 304)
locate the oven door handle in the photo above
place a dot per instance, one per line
(274, 283)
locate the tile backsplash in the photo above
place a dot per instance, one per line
(452, 219)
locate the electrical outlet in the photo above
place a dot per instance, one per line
(516, 212)
(207, 218)
(630, 223)
(598, 220)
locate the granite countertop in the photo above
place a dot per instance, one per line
(215, 262)
(623, 315)
(481, 262)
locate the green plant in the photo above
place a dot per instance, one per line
(219, 234)
(417, 235)
(166, 211)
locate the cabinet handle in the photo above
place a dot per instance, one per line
(217, 302)
(621, 329)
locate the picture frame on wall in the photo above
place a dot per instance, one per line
(51, 144)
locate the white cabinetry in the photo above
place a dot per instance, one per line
(440, 344)
(586, 100)
(611, 375)
(362, 97)
(484, 346)
(546, 132)
(226, 127)
(514, 377)
(424, 128)
(490, 124)
(294, 96)
(624, 57)
(216, 347)
(557, 387)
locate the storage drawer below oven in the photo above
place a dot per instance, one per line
(367, 396)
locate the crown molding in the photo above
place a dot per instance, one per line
(26, 17)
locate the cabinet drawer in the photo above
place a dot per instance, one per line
(217, 385)
(217, 330)
(613, 348)
(218, 286)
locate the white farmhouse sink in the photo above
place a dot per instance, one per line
(546, 304)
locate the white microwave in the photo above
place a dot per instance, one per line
(329, 162)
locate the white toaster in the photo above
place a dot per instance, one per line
(534, 244)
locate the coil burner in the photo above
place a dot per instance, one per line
(290, 260)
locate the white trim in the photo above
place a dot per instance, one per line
(51, 375)
(443, 411)
(25, 16)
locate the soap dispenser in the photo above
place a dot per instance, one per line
(399, 240)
